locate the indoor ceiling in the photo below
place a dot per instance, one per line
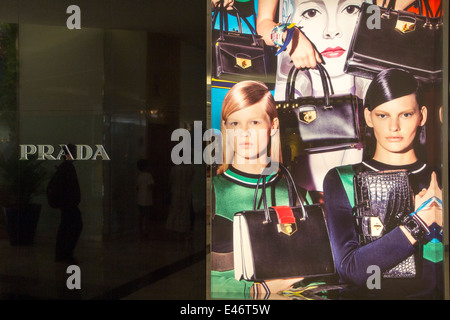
(186, 19)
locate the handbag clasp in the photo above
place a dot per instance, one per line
(287, 228)
(307, 114)
(286, 220)
(405, 24)
(243, 62)
(376, 226)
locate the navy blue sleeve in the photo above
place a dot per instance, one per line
(351, 259)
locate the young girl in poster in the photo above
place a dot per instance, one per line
(394, 113)
(250, 134)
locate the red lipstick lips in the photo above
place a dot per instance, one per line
(333, 52)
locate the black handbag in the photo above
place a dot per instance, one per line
(281, 241)
(404, 40)
(382, 199)
(237, 55)
(324, 123)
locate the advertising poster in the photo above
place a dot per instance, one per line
(220, 158)
(330, 183)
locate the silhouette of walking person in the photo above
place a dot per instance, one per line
(144, 188)
(71, 224)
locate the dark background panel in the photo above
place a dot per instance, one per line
(132, 74)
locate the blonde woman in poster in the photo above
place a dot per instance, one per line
(325, 30)
(248, 114)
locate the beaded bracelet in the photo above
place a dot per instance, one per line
(277, 35)
(289, 35)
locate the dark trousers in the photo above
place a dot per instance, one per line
(68, 233)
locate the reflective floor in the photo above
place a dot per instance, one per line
(157, 267)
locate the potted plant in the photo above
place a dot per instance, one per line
(22, 181)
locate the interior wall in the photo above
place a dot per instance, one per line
(90, 86)
(125, 95)
(61, 101)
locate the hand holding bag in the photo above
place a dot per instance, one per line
(324, 123)
(237, 55)
(281, 241)
(382, 199)
(403, 39)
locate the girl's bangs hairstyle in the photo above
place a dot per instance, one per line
(388, 85)
(243, 95)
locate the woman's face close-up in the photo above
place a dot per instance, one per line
(329, 25)
(395, 124)
(248, 132)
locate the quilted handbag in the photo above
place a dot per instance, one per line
(237, 55)
(403, 39)
(281, 241)
(324, 123)
(382, 199)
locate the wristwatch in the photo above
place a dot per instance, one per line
(415, 226)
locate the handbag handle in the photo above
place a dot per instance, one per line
(291, 188)
(439, 10)
(417, 4)
(421, 4)
(222, 11)
(324, 77)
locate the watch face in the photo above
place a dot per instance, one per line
(411, 224)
